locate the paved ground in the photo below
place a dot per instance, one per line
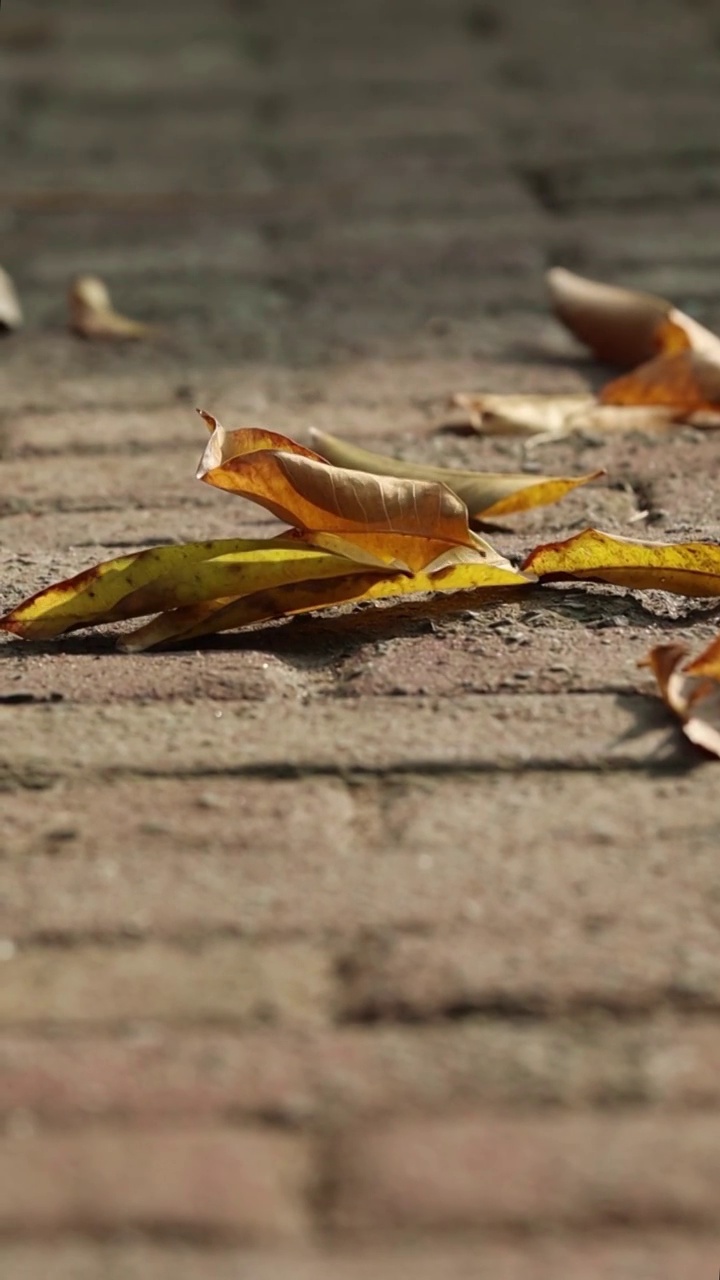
(351, 950)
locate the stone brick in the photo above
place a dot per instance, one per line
(321, 1076)
(249, 1184)
(317, 858)
(480, 733)
(658, 1255)
(222, 981)
(483, 1171)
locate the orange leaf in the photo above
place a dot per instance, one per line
(398, 523)
(686, 381)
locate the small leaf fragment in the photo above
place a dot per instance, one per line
(484, 493)
(683, 568)
(310, 596)
(91, 313)
(11, 316)
(692, 692)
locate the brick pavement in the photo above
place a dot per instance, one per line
(371, 947)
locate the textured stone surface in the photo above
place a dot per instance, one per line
(376, 927)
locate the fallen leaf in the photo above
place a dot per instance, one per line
(546, 418)
(684, 568)
(92, 315)
(624, 326)
(166, 577)
(675, 361)
(203, 586)
(692, 693)
(688, 382)
(384, 521)
(310, 596)
(485, 493)
(10, 310)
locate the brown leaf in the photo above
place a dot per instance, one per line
(684, 568)
(624, 326)
(91, 313)
(485, 493)
(10, 310)
(693, 693)
(388, 522)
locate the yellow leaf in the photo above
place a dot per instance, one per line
(685, 568)
(165, 578)
(484, 493)
(394, 523)
(228, 615)
(689, 692)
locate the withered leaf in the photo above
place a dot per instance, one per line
(311, 596)
(684, 568)
(624, 326)
(385, 521)
(692, 692)
(687, 381)
(542, 419)
(167, 577)
(486, 494)
(91, 313)
(201, 587)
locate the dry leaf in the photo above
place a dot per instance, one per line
(687, 382)
(693, 692)
(485, 494)
(342, 518)
(546, 418)
(684, 568)
(311, 596)
(624, 326)
(10, 310)
(677, 381)
(167, 577)
(384, 521)
(92, 315)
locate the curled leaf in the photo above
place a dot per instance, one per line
(91, 313)
(624, 326)
(165, 578)
(684, 568)
(692, 692)
(484, 493)
(10, 310)
(618, 325)
(385, 521)
(310, 596)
